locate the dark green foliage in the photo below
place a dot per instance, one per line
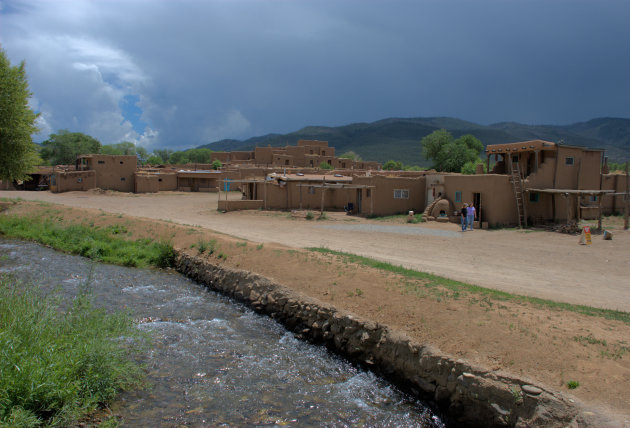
(18, 154)
(64, 147)
(216, 164)
(58, 365)
(449, 154)
(326, 166)
(101, 244)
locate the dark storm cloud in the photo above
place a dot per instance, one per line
(202, 71)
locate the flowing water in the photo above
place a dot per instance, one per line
(214, 361)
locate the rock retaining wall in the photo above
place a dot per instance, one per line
(468, 395)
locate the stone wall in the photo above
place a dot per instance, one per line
(468, 395)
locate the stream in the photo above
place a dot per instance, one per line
(214, 361)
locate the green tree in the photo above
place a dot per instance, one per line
(216, 164)
(18, 153)
(450, 155)
(124, 148)
(351, 155)
(142, 154)
(470, 167)
(164, 154)
(325, 165)
(154, 160)
(178, 158)
(199, 155)
(64, 147)
(392, 165)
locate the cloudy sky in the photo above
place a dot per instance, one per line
(178, 74)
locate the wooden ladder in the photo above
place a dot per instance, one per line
(517, 185)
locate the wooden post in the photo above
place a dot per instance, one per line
(579, 208)
(323, 191)
(265, 193)
(599, 206)
(626, 209)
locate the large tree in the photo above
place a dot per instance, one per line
(18, 153)
(64, 147)
(448, 154)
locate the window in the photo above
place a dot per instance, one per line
(593, 198)
(79, 180)
(122, 178)
(311, 190)
(401, 194)
(368, 193)
(101, 161)
(515, 159)
(159, 179)
(569, 161)
(534, 197)
(121, 162)
(458, 196)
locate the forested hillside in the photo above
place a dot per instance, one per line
(399, 138)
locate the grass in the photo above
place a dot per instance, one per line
(206, 246)
(103, 244)
(461, 287)
(573, 384)
(59, 365)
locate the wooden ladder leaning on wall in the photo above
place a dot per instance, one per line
(517, 185)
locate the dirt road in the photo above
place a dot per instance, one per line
(533, 263)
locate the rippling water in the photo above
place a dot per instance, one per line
(213, 361)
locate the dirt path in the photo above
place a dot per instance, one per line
(541, 264)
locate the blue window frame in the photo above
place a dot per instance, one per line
(458, 196)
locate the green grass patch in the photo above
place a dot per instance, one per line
(462, 287)
(57, 365)
(106, 244)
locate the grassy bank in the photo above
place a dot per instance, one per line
(459, 288)
(58, 365)
(109, 244)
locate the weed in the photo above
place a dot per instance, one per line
(517, 394)
(222, 256)
(589, 339)
(309, 215)
(572, 384)
(59, 365)
(209, 246)
(241, 244)
(259, 246)
(323, 216)
(358, 292)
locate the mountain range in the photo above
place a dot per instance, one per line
(399, 138)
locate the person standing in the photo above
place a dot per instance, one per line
(463, 214)
(470, 213)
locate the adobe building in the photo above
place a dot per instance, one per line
(306, 154)
(532, 182)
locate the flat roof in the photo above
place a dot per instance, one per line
(571, 191)
(522, 146)
(312, 177)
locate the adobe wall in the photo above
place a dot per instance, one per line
(543, 177)
(613, 204)
(469, 395)
(69, 181)
(381, 200)
(263, 155)
(314, 143)
(498, 205)
(167, 181)
(146, 183)
(114, 172)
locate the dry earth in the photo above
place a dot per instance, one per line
(550, 346)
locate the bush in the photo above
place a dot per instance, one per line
(57, 365)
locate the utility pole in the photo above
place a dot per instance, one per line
(627, 201)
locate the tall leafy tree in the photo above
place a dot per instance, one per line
(199, 155)
(448, 154)
(18, 153)
(163, 154)
(64, 147)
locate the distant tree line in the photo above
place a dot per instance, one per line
(63, 148)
